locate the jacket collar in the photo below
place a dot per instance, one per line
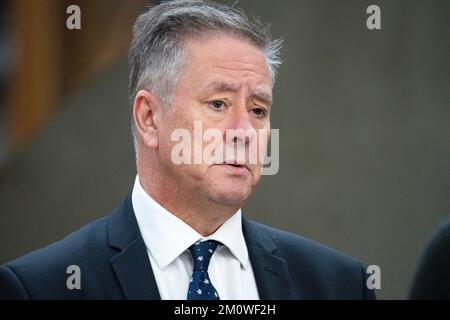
(134, 272)
(271, 271)
(131, 265)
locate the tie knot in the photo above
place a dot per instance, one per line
(202, 253)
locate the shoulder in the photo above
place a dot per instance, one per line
(43, 272)
(431, 278)
(320, 270)
(81, 243)
(291, 244)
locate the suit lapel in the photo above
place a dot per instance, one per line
(134, 272)
(271, 272)
(131, 264)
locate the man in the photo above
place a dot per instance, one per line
(432, 279)
(179, 233)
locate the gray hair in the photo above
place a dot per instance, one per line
(156, 54)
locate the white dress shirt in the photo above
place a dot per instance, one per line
(167, 239)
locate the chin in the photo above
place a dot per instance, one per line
(230, 199)
(229, 194)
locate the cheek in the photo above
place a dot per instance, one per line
(177, 139)
(165, 133)
(256, 175)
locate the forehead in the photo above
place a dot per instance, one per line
(226, 60)
(260, 91)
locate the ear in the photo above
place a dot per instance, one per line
(146, 109)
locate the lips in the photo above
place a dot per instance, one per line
(235, 165)
(234, 168)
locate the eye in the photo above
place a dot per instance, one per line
(217, 104)
(259, 112)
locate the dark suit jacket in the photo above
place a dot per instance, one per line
(432, 278)
(114, 265)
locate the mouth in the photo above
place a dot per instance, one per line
(235, 165)
(234, 168)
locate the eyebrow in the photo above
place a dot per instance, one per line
(262, 95)
(223, 86)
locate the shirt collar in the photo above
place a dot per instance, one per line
(167, 237)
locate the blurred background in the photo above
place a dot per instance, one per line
(364, 119)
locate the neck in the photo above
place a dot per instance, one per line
(201, 214)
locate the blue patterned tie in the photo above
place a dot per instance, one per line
(200, 286)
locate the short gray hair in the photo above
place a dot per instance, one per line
(156, 54)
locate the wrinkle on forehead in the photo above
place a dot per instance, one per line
(226, 64)
(261, 92)
(213, 46)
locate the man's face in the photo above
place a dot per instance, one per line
(225, 85)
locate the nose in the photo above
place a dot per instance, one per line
(240, 125)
